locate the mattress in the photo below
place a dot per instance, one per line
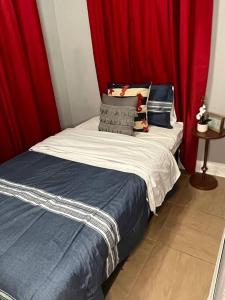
(170, 138)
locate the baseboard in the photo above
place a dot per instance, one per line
(214, 168)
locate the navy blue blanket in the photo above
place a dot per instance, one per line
(60, 224)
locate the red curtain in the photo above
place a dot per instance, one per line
(159, 41)
(28, 111)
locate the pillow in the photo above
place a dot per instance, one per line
(117, 119)
(142, 93)
(160, 105)
(115, 101)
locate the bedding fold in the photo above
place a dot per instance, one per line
(148, 159)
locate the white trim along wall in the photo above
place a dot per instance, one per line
(214, 168)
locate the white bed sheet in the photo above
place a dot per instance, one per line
(148, 159)
(170, 138)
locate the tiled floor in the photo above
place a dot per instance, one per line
(176, 259)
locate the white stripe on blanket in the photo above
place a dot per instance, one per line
(91, 216)
(5, 296)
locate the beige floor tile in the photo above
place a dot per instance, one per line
(184, 193)
(205, 223)
(191, 241)
(193, 232)
(116, 292)
(211, 202)
(175, 261)
(130, 270)
(157, 222)
(172, 275)
(142, 252)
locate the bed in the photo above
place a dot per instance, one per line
(75, 205)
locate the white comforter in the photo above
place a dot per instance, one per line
(147, 159)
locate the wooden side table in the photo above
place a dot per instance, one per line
(202, 180)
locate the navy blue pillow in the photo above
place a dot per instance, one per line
(159, 105)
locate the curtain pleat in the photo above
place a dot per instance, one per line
(27, 104)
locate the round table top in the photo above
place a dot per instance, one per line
(209, 134)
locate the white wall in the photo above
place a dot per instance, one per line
(216, 80)
(67, 37)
